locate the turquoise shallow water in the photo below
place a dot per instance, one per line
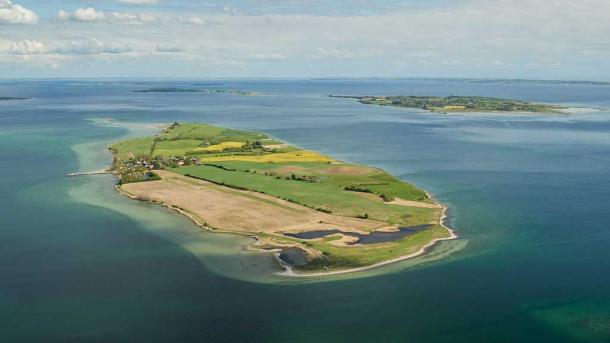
(528, 195)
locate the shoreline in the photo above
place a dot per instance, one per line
(194, 218)
(547, 108)
(288, 270)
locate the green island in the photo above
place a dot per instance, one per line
(194, 90)
(456, 103)
(320, 215)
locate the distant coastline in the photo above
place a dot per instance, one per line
(8, 98)
(193, 90)
(530, 81)
(479, 80)
(451, 104)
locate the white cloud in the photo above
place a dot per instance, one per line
(11, 13)
(270, 56)
(229, 9)
(139, 2)
(192, 20)
(91, 46)
(332, 53)
(22, 47)
(469, 36)
(129, 18)
(87, 14)
(63, 15)
(90, 14)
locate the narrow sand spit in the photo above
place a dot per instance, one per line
(410, 203)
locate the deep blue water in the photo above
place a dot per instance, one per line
(530, 195)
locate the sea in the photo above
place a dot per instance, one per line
(528, 196)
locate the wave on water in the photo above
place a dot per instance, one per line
(583, 110)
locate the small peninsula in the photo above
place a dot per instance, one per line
(456, 103)
(318, 214)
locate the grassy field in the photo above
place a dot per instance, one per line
(175, 147)
(212, 134)
(345, 257)
(132, 147)
(294, 156)
(327, 194)
(251, 161)
(338, 174)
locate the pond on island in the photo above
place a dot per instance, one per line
(312, 234)
(293, 256)
(371, 238)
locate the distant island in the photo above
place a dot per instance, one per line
(456, 103)
(193, 90)
(6, 98)
(522, 81)
(319, 215)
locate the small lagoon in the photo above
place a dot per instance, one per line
(371, 238)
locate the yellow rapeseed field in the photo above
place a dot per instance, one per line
(454, 107)
(222, 146)
(293, 156)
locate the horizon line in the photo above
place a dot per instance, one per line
(303, 78)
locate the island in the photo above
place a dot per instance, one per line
(523, 81)
(319, 215)
(194, 90)
(6, 98)
(456, 103)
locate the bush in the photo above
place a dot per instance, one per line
(150, 176)
(387, 198)
(357, 188)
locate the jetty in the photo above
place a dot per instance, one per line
(95, 172)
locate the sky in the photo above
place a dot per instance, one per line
(533, 39)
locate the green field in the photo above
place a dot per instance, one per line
(375, 179)
(133, 147)
(336, 258)
(327, 194)
(212, 134)
(175, 147)
(254, 161)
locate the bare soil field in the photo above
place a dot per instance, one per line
(229, 209)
